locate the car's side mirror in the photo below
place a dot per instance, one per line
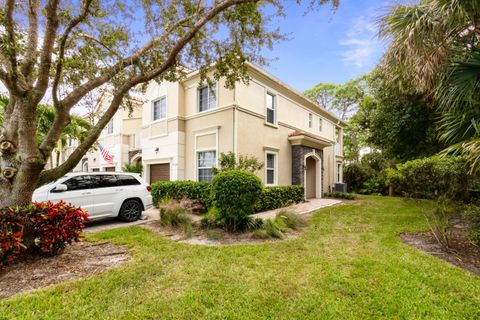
(60, 188)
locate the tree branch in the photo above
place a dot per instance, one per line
(10, 48)
(80, 151)
(47, 49)
(62, 43)
(32, 42)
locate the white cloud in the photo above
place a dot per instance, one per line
(361, 43)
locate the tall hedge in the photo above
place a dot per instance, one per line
(432, 177)
(198, 191)
(278, 197)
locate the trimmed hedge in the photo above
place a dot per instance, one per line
(340, 195)
(177, 190)
(278, 197)
(235, 193)
(432, 177)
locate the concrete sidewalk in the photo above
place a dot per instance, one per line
(300, 208)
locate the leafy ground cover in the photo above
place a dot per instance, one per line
(351, 263)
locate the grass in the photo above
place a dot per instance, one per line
(350, 264)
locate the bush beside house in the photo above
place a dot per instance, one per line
(270, 198)
(235, 193)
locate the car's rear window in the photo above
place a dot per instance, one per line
(126, 180)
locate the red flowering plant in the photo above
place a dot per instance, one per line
(55, 225)
(11, 236)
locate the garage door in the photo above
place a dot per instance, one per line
(159, 172)
(110, 169)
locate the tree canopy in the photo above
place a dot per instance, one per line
(435, 47)
(74, 49)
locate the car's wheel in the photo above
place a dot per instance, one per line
(130, 211)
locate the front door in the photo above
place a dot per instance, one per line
(310, 178)
(159, 172)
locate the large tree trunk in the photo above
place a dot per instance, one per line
(20, 160)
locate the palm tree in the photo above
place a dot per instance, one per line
(436, 46)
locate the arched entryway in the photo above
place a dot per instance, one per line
(313, 177)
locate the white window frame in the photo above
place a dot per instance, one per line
(275, 168)
(197, 167)
(110, 126)
(275, 108)
(310, 120)
(153, 109)
(209, 92)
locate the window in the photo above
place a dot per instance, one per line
(339, 172)
(105, 181)
(206, 98)
(271, 107)
(205, 162)
(310, 120)
(110, 126)
(125, 180)
(271, 168)
(320, 124)
(160, 109)
(78, 183)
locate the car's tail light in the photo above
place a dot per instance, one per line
(149, 188)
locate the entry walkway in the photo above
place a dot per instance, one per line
(301, 208)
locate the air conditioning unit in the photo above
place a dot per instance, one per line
(339, 187)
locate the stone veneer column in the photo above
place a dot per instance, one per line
(298, 162)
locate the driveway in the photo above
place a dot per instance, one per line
(148, 215)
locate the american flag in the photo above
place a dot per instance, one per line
(106, 155)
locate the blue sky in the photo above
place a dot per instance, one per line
(328, 46)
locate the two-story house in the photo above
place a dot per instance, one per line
(185, 127)
(120, 138)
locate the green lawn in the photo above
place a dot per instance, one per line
(350, 264)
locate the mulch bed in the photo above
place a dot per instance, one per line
(79, 260)
(201, 237)
(461, 252)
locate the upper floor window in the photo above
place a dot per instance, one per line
(271, 169)
(110, 126)
(205, 162)
(160, 109)
(206, 98)
(310, 120)
(320, 124)
(271, 108)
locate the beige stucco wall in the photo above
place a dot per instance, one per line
(255, 138)
(218, 123)
(225, 97)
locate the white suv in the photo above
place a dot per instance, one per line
(101, 194)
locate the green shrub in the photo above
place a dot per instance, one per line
(235, 193)
(229, 161)
(136, 167)
(279, 197)
(439, 221)
(340, 195)
(211, 219)
(173, 215)
(197, 191)
(375, 185)
(291, 220)
(356, 174)
(433, 177)
(471, 215)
